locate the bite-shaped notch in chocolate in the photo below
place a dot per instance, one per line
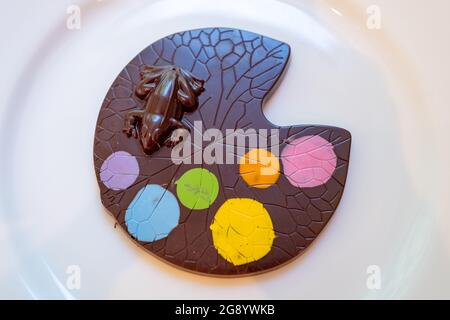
(168, 91)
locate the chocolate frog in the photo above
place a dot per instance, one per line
(169, 92)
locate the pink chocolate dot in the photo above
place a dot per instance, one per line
(119, 171)
(308, 161)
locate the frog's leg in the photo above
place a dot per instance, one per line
(132, 119)
(189, 102)
(194, 83)
(156, 134)
(175, 124)
(186, 95)
(144, 89)
(147, 85)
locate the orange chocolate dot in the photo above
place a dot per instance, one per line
(259, 168)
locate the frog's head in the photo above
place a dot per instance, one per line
(150, 77)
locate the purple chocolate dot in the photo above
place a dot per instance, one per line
(119, 171)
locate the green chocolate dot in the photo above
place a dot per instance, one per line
(197, 188)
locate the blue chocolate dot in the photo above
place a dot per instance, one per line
(152, 214)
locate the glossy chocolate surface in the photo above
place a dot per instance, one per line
(168, 92)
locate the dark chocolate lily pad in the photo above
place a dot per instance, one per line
(219, 218)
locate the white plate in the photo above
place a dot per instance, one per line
(386, 86)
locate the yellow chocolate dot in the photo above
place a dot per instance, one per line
(242, 231)
(259, 168)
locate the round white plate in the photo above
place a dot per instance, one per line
(353, 65)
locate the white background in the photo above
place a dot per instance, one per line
(388, 87)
